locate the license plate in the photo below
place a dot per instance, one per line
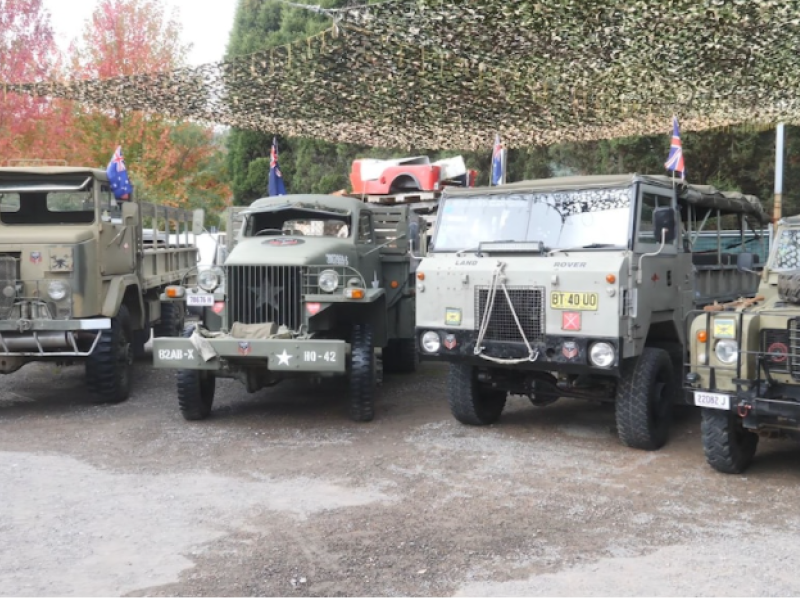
(574, 300)
(709, 400)
(200, 300)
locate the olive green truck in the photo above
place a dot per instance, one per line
(81, 279)
(314, 286)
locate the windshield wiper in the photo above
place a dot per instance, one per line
(586, 247)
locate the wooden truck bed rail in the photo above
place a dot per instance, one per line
(169, 248)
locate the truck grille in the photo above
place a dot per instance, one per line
(775, 345)
(9, 273)
(265, 295)
(528, 305)
(794, 348)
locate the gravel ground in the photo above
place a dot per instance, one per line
(279, 494)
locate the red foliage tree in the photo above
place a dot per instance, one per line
(28, 52)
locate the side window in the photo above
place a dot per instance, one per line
(365, 235)
(644, 228)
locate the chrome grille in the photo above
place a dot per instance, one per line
(9, 273)
(528, 305)
(265, 295)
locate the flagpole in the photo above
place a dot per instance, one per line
(777, 207)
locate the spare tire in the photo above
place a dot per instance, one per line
(789, 286)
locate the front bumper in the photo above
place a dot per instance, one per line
(284, 355)
(40, 338)
(777, 407)
(566, 354)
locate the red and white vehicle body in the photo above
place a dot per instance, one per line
(376, 177)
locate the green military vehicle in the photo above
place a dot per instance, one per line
(575, 287)
(314, 285)
(744, 366)
(80, 278)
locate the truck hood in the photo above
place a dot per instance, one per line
(44, 235)
(293, 251)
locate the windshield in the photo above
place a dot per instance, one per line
(570, 219)
(46, 207)
(298, 223)
(787, 251)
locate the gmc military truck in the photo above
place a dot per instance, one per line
(314, 286)
(575, 287)
(80, 278)
(744, 366)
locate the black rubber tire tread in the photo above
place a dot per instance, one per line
(643, 421)
(401, 356)
(470, 403)
(789, 286)
(173, 319)
(138, 339)
(195, 389)
(363, 381)
(729, 448)
(108, 373)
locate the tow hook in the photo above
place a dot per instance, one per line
(743, 410)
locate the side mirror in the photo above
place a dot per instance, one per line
(664, 218)
(413, 236)
(745, 261)
(198, 221)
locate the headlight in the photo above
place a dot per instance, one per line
(602, 354)
(727, 351)
(208, 280)
(57, 290)
(431, 342)
(328, 281)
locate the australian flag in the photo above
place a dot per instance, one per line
(276, 186)
(675, 159)
(498, 164)
(118, 176)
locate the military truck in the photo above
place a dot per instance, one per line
(79, 279)
(744, 366)
(314, 286)
(575, 287)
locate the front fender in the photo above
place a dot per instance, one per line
(116, 291)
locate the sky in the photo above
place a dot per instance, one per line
(206, 24)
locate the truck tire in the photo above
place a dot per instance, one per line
(644, 400)
(138, 339)
(363, 380)
(789, 287)
(109, 367)
(172, 321)
(728, 446)
(470, 403)
(401, 356)
(195, 389)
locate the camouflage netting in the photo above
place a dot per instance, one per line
(451, 73)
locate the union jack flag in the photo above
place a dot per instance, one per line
(276, 187)
(498, 162)
(675, 159)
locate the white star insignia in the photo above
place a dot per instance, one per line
(283, 359)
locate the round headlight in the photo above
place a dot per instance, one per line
(208, 280)
(328, 281)
(727, 351)
(431, 342)
(601, 354)
(57, 290)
